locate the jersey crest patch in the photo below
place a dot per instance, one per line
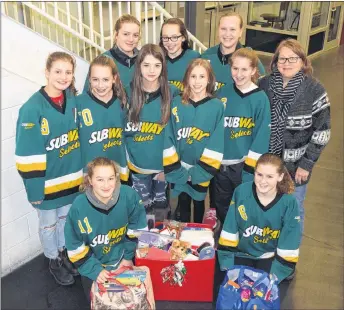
(242, 212)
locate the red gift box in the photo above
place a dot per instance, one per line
(198, 281)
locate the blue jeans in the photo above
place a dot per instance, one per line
(300, 194)
(51, 230)
(149, 189)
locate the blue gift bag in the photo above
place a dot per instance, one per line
(248, 288)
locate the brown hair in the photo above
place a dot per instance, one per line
(124, 19)
(229, 14)
(251, 55)
(211, 78)
(138, 99)
(65, 57)
(99, 161)
(117, 87)
(182, 30)
(286, 186)
(296, 47)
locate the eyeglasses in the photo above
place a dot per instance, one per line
(283, 60)
(173, 39)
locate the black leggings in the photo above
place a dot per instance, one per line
(87, 285)
(184, 201)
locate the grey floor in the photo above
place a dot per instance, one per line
(319, 280)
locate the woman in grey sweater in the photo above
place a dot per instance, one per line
(300, 114)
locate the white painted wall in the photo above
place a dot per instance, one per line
(23, 57)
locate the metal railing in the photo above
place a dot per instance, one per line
(86, 28)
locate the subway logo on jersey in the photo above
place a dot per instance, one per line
(261, 235)
(71, 137)
(191, 132)
(145, 127)
(147, 130)
(107, 134)
(245, 124)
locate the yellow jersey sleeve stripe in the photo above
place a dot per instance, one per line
(64, 179)
(204, 184)
(230, 243)
(62, 186)
(74, 258)
(289, 255)
(170, 160)
(211, 162)
(31, 167)
(251, 162)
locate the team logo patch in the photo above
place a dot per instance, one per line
(224, 101)
(28, 125)
(242, 212)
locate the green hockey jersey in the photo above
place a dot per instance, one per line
(125, 66)
(98, 239)
(193, 147)
(145, 141)
(247, 127)
(176, 67)
(48, 156)
(254, 231)
(101, 128)
(221, 66)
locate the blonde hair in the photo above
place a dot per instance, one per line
(296, 47)
(230, 14)
(125, 19)
(251, 56)
(65, 57)
(286, 186)
(117, 87)
(211, 78)
(99, 161)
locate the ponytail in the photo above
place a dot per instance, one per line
(286, 186)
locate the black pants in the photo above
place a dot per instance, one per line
(86, 285)
(262, 264)
(222, 188)
(184, 201)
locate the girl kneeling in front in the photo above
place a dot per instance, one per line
(262, 226)
(98, 223)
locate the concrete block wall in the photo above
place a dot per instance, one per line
(22, 73)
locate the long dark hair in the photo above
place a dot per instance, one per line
(138, 99)
(182, 29)
(117, 87)
(66, 57)
(286, 186)
(211, 78)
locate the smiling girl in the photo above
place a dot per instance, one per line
(101, 115)
(99, 222)
(194, 140)
(229, 31)
(48, 158)
(149, 111)
(262, 227)
(124, 51)
(247, 129)
(174, 40)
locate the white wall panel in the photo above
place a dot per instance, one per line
(22, 73)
